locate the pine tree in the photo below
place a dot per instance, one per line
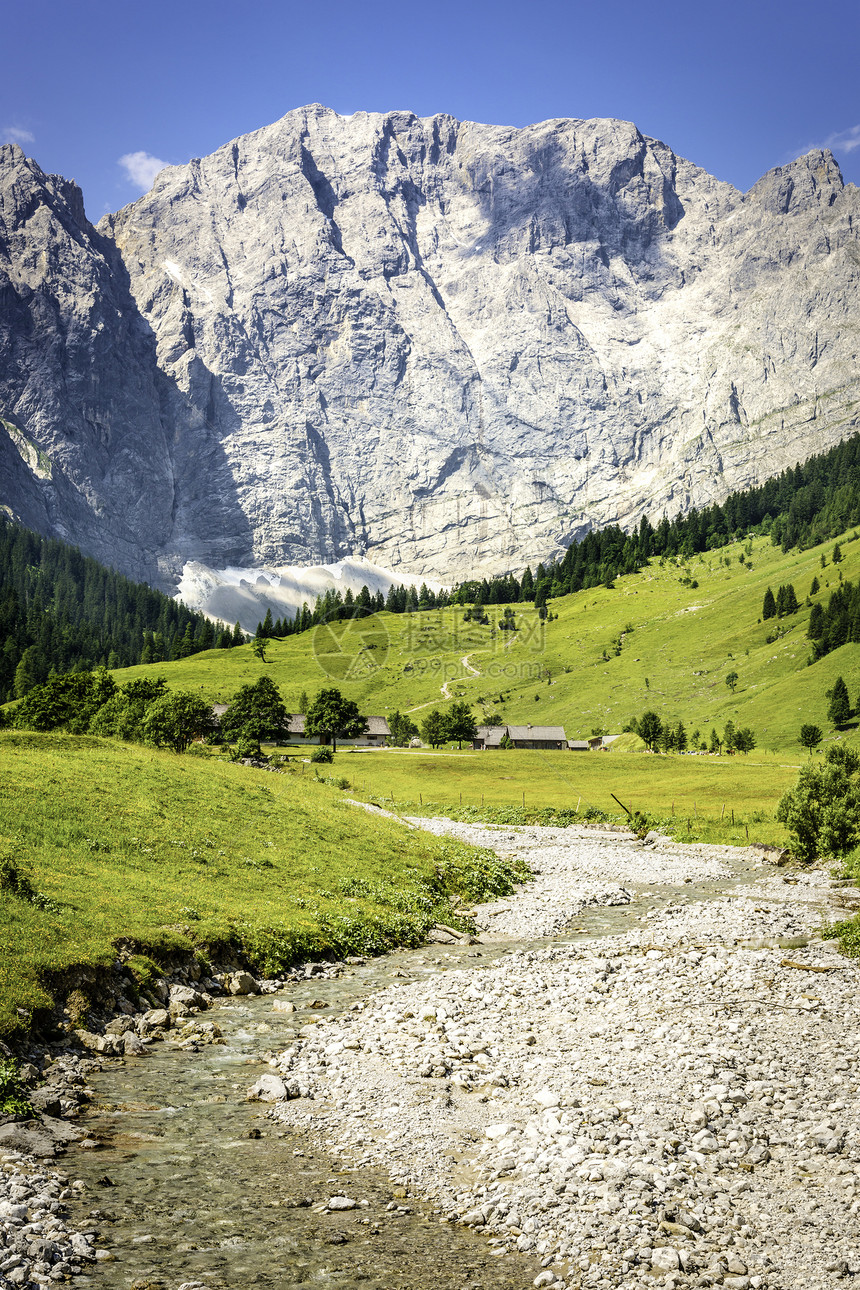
(650, 729)
(185, 646)
(839, 711)
(25, 676)
(769, 606)
(786, 601)
(238, 635)
(460, 723)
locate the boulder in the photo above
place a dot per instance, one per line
(268, 1088)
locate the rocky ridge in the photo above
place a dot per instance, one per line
(446, 346)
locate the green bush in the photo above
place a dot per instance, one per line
(322, 755)
(822, 811)
(13, 1094)
(247, 746)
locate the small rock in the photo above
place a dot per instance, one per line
(341, 1202)
(665, 1259)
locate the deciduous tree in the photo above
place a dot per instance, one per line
(176, 719)
(402, 728)
(434, 728)
(331, 715)
(822, 811)
(256, 710)
(810, 736)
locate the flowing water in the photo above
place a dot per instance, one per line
(193, 1184)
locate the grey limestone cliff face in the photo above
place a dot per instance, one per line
(80, 420)
(446, 346)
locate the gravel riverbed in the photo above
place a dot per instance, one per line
(675, 1106)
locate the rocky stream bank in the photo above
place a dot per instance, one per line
(666, 1097)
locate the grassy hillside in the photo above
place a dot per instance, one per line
(174, 851)
(585, 669)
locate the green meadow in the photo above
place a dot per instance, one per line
(196, 854)
(653, 641)
(730, 800)
(183, 853)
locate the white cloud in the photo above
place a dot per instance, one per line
(845, 140)
(12, 134)
(840, 141)
(141, 168)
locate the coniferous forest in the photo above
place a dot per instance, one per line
(61, 611)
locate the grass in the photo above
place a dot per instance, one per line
(585, 669)
(729, 800)
(118, 840)
(115, 840)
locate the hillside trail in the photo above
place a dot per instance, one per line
(443, 688)
(464, 662)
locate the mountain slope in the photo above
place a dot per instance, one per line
(446, 346)
(664, 639)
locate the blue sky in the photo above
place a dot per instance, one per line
(736, 87)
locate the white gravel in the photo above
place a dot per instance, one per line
(36, 1246)
(676, 1106)
(576, 868)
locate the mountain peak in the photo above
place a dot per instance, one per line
(449, 347)
(811, 180)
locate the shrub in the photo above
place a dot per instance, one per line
(322, 755)
(822, 811)
(13, 1095)
(247, 746)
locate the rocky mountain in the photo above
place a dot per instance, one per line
(443, 346)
